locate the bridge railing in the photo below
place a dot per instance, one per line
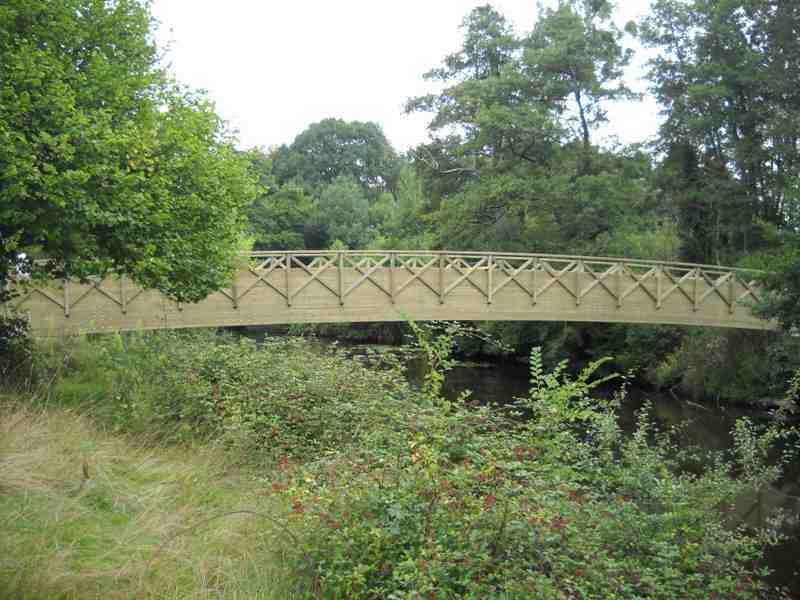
(619, 277)
(509, 255)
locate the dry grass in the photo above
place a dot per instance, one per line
(89, 514)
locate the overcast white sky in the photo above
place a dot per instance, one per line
(273, 67)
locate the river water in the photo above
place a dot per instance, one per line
(707, 426)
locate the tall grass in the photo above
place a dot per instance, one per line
(85, 513)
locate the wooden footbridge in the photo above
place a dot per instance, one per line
(356, 286)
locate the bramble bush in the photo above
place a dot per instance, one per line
(392, 492)
(276, 398)
(551, 502)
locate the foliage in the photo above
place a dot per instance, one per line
(502, 132)
(343, 214)
(279, 216)
(280, 219)
(105, 163)
(408, 226)
(574, 53)
(335, 148)
(724, 75)
(782, 284)
(467, 503)
(278, 398)
(643, 238)
(16, 351)
(639, 349)
(711, 365)
(392, 493)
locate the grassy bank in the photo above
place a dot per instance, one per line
(193, 465)
(87, 513)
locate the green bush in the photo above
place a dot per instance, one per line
(279, 397)
(16, 351)
(744, 367)
(471, 503)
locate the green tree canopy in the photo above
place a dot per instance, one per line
(575, 54)
(343, 214)
(105, 163)
(728, 77)
(333, 148)
(509, 167)
(279, 219)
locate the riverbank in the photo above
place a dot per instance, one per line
(358, 485)
(708, 366)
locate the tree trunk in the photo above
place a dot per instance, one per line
(587, 142)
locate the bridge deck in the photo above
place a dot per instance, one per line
(331, 287)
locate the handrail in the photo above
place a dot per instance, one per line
(501, 255)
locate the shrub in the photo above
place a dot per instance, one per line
(736, 366)
(472, 503)
(278, 397)
(16, 351)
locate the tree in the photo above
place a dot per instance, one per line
(105, 163)
(512, 164)
(343, 214)
(334, 148)
(575, 54)
(408, 226)
(509, 171)
(477, 82)
(279, 219)
(782, 283)
(727, 76)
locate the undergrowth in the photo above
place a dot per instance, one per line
(340, 481)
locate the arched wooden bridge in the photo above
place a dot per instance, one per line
(356, 286)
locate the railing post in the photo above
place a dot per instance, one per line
(731, 293)
(696, 293)
(441, 278)
(620, 269)
(340, 259)
(234, 295)
(287, 265)
(658, 287)
(534, 286)
(392, 261)
(123, 299)
(578, 273)
(490, 280)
